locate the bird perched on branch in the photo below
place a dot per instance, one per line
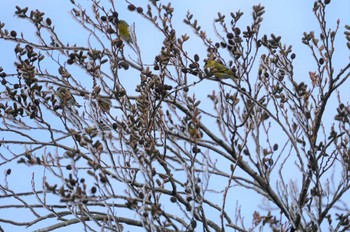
(124, 31)
(66, 97)
(219, 70)
(194, 131)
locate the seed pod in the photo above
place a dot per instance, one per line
(13, 33)
(131, 7)
(48, 21)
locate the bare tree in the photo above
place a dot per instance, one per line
(157, 156)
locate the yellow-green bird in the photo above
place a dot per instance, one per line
(124, 31)
(219, 70)
(66, 97)
(194, 132)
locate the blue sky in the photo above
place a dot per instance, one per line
(286, 18)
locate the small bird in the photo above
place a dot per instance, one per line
(194, 131)
(93, 131)
(124, 31)
(219, 70)
(66, 97)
